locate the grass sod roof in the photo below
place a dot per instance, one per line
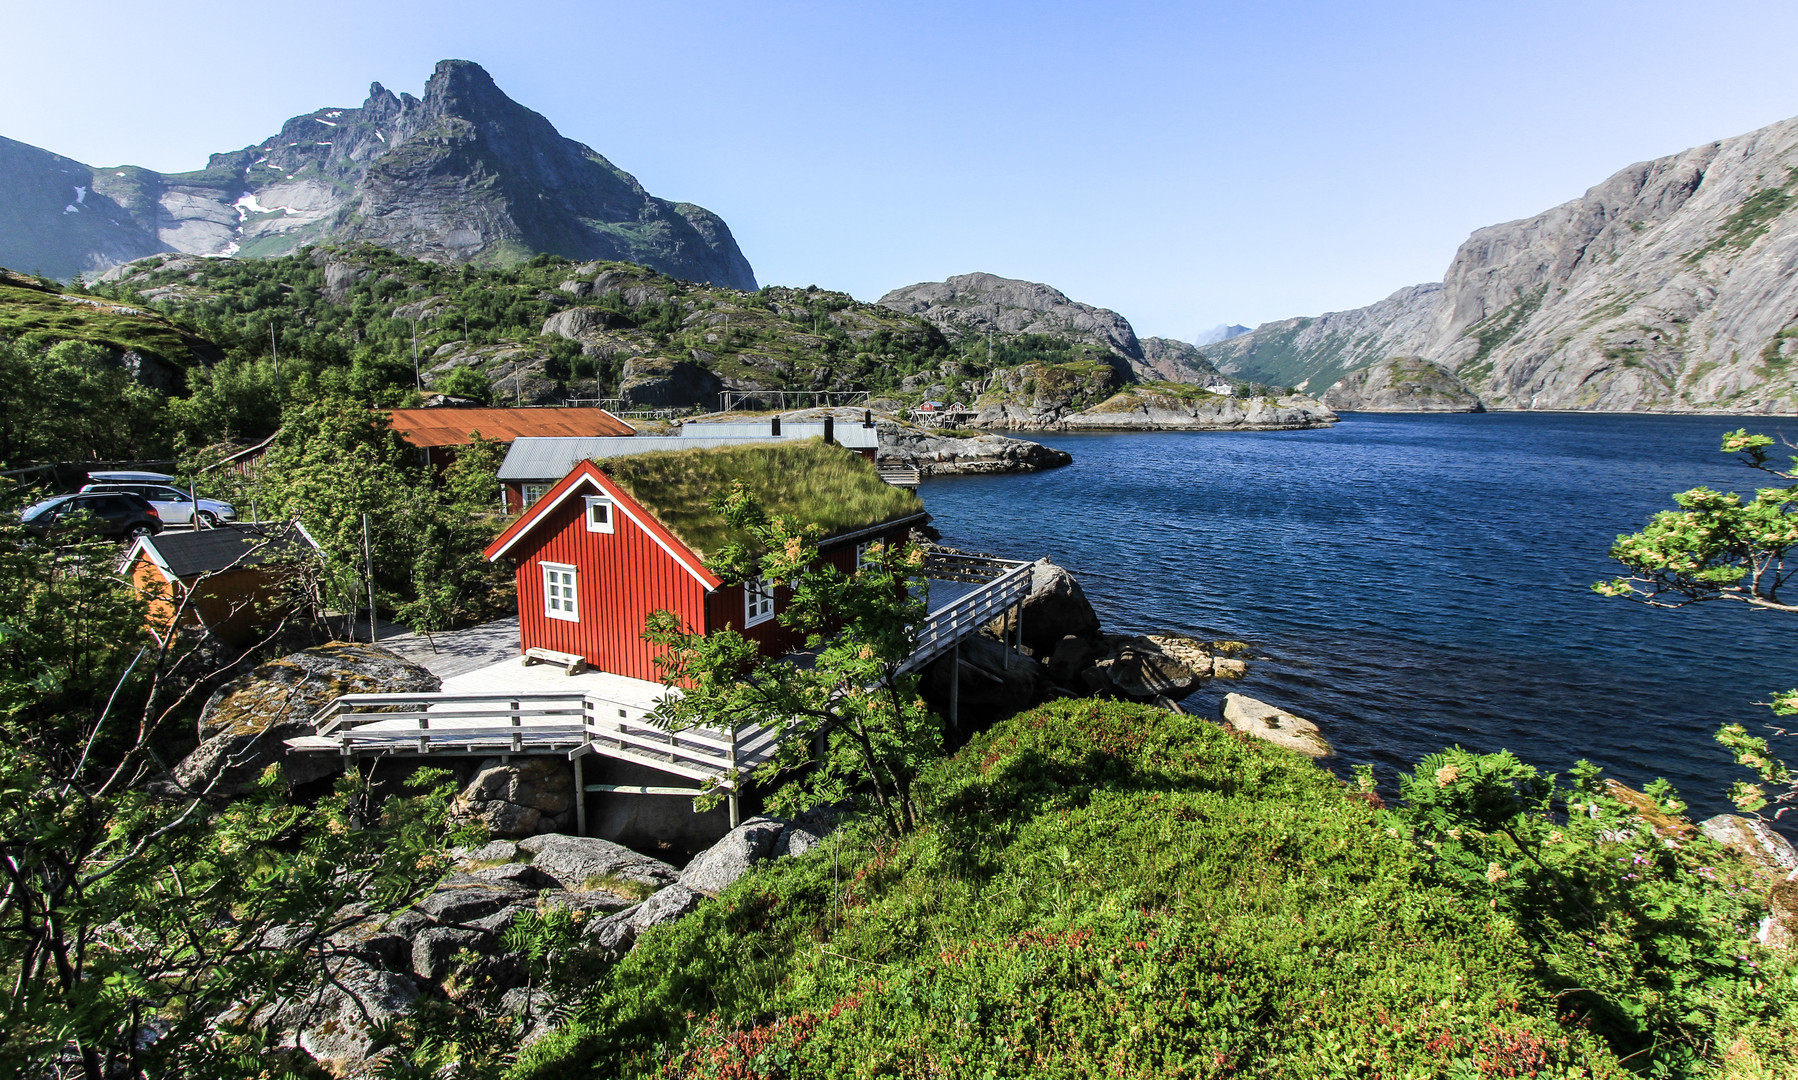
(805, 481)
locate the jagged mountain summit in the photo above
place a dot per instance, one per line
(1670, 287)
(976, 304)
(463, 175)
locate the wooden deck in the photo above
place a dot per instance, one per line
(511, 708)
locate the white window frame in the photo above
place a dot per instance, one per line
(561, 597)
(528, 494)
(758, 601)
(591, 503)
(862, 561)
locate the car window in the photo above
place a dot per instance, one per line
(37, 508)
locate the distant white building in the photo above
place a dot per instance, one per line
(1221, 388)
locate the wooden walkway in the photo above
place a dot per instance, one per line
(606, 714)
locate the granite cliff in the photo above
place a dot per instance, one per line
(462, 175)
(1668, 287)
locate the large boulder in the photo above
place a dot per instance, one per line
(805, 832)
(588, 862)
(518, 798)
(1260, 720)
(713, 870)
(1056, 607)
(245, 724)
(1151, 667)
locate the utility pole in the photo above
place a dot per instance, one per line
(417, 381)
(517, 384)
(368, 562)
(276, 353)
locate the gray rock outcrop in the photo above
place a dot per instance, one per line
(655, 382)
(1312, 353)
(1402, 384)
(1147, 408)
(244, 724)
(955, 455)
(1260, 720)
(618, 933)
(575, 860)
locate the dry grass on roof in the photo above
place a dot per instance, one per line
(806, 480)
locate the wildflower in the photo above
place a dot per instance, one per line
(1447, 775)
(1555, 837)
(1495, 873)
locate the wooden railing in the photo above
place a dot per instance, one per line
(900, 475)
(947, 625)
(463, 723)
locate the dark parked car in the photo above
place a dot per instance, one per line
(115, 514)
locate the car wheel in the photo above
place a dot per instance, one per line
(208, 520)
(139, 531)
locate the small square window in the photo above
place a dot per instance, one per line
(558, 593)
(530, 493)
(599, 513)
(866, 556)
(758, 601)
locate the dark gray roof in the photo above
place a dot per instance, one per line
(184, 553)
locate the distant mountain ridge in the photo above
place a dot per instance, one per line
(463, 174)
(1671, 286)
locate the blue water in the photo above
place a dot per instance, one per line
(1412, 582)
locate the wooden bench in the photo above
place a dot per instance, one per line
(574, 663)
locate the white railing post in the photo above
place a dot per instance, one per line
(518, 734)
(730, 766)
(424, 740)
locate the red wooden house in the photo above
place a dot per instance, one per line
(602, 549)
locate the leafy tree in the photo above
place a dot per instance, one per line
(234, 399)
(1718, 546)
(851, 700)
(75, 401)
(466, 382)
(143, 934)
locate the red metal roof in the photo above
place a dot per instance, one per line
(453, 426)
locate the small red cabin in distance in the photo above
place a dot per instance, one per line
(595, 556)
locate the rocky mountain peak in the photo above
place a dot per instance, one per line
(463, 174)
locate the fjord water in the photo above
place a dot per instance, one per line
(1413, 582)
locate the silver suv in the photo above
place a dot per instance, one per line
(173, 504)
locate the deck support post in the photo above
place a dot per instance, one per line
(1018, 629)
(580, 799)
(733, 775)
(1005, 639)
(955, 686)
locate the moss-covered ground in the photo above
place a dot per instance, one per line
(1100, 889)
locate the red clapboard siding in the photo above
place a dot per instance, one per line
(620, 577)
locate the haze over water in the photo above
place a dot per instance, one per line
(1412, 582)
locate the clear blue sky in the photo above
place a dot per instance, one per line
(1184, 164)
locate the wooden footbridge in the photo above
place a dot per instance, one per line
(612, 718)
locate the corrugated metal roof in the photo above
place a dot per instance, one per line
(453, 427)
(551, 459)
(850, 433)
(532, 460)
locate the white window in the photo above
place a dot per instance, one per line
(758, 601)
(599, 513)
(532, 492)
(558, 592)
(865, 555)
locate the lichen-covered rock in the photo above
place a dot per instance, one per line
(434, 950)
(1260, 720)
(577, 860)
(245, 724)
(713, 870)
(336, 1020)
(1146, 668)
(1147, 407)
(805, 832)
(654, 381)
(518, 798)
(1771, 854)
